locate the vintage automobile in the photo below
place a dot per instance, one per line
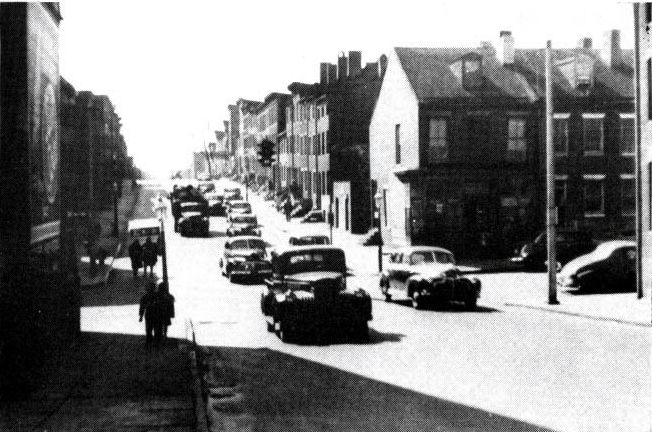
(238, 207)
(193, 219)
(215, 204)
(307, 295)
(245, 257)
(310, 240)
(570, 244)
(232, 194)
(314, 216)
(242, 224)
(426, 274)
(612, 265)
(186, 194)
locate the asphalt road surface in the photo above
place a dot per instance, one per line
(497, 368)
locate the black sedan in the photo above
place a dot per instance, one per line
(245, 257)
(612, 265)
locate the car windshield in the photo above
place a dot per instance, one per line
(240, 205)
(312, 240)
(250, 220)
(248, 244)
(191, 207)
(312, 260)
(428, 257)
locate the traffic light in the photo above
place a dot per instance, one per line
(266, 153)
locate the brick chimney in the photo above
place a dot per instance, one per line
(332, 73)
(355, 63)
(342, 66)
(585, 42)
(611, 52)
(323, 73)
(506, 48)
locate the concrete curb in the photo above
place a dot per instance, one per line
(201, 419)
(579, 314)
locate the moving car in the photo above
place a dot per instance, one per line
(242, 224)
(310, 240)
(193, 219)
(307, 295)
(232, 194)
(215, 204)
(611, 265)
(245, 257)
(570, 244)
(186, 194)
(238, 207)
(425, 274)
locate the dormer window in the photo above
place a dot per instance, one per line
(468, 69)
(579, 71)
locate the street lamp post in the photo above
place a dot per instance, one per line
(162, 213)
(377, 198)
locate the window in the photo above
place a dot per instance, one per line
(325, 142)
(561, 196)
(516, 140)
(593, 134)
(437, 142)
(627, 134)
(397, 142)
(594, 195)
(560, 134)
(472, 71)
(627, 195)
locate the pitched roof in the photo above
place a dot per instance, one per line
(430, 75)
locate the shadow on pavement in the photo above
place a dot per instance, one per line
(214, 234)
(594, 291)
(451, 307)
(122, 290)
(283, 392)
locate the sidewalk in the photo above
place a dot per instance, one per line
(504, 284)
(111, 244)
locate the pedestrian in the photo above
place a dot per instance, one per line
(149, 310)
(166, 308)
(150, 255)
(136, 256)
(287, 208)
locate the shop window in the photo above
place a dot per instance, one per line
(560, 134)
(516, 142)
(627, 195)
(594, 196)
(438, 140)
(593, 128)
(627, 134)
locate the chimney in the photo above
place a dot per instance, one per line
(506, 54)
(382, 61)
(332, 73)
(342, 66)
(355, 63)
(486, 48)
(323, 73)
(611, 53)
(585, 42)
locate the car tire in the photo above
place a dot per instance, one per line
(233, 278)
(471, 302)
(361, 331)
(270, 326)
(286, 332)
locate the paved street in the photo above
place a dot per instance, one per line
(535, 367)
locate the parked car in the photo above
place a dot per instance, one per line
(310, 240)
(612, 265)
(232, 194)
(245, 257)
(215, 204)
(193, 219)
(238, 207)
(570, 245)
(301, 208)
(314, 216)
(242, 224)
(307, 295)
(426, 274)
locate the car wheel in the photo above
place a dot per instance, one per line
(233, 278)
(417, 300)
(270, 326)
(361, 331)
(471, 302)
(286, 332)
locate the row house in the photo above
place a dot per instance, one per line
(324, 151)
(458, 144)
(245, 151)
(643, 62)
(270, 120)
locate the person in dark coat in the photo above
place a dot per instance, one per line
(287, 208)
(166, 308)
(150, 255)
(149, 310)
(136, 256)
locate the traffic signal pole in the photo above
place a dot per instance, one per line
(551, 213)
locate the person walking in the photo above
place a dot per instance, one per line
(149, 310)
(287, 208)
(166, 308)
(150, 255)
(136, 256)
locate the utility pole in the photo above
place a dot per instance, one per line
(637, 156)
(551, 213)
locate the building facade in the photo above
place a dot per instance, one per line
(458, 144)
(270, 120)
(245, 147)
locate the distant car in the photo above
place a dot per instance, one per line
(310, 240)
(193, 219)
(245, 257)
(570, 245)
(426, 274)
(242, 224)
(307, 295)
(612, 265)
(238, 207)
(232, 194)
(215, 204)
(314, 216)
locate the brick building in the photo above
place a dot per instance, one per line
(458, 140)
(270, 120)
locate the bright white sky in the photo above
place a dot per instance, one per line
(171, 68)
